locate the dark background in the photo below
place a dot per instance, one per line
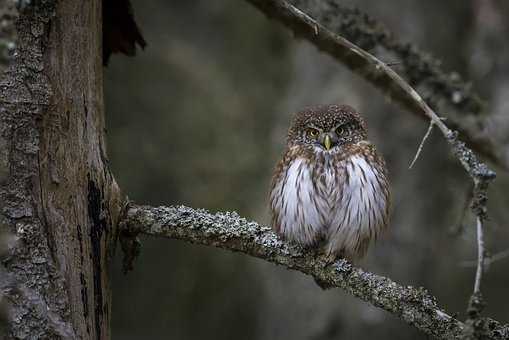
(200, 117)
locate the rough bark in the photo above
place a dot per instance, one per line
(57, 195)
(446, 92)
(227, 230)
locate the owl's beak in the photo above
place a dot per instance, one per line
(327, 142)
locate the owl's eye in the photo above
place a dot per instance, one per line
(340, 130)
(312, 132)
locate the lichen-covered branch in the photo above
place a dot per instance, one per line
(327, 23)
(229, 231)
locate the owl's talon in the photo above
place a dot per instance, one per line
(330, 258)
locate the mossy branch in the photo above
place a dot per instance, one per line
(229, 231)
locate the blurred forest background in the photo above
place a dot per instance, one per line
(200, 117)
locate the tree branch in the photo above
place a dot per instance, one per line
(326, 23)
(421, 145)
(480, 257)
(229, 231)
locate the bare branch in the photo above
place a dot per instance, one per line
(419, 149)
(474, 329)
(447, 93)
(480, 257)
(229, 231)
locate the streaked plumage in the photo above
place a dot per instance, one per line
(330, 189)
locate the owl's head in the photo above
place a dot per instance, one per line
(327, 127)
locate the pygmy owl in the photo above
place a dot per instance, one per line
(330, 189)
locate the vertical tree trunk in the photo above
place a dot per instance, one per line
(57, 195)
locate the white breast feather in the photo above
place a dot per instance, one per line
(299, 219)
(347, 218)
(359, 213)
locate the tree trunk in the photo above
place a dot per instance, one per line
(57, 195)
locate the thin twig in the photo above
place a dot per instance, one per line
(394, 63)
(488, 261)
(474, 323)
(419, 150)
(480, 257)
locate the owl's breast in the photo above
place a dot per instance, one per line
(342, 201)
(360, 205)
(329, 179)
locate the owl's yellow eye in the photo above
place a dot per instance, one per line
(312, 132)
(340, 130)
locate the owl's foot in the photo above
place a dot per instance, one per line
(329, 258)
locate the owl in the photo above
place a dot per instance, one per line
(330, 189)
